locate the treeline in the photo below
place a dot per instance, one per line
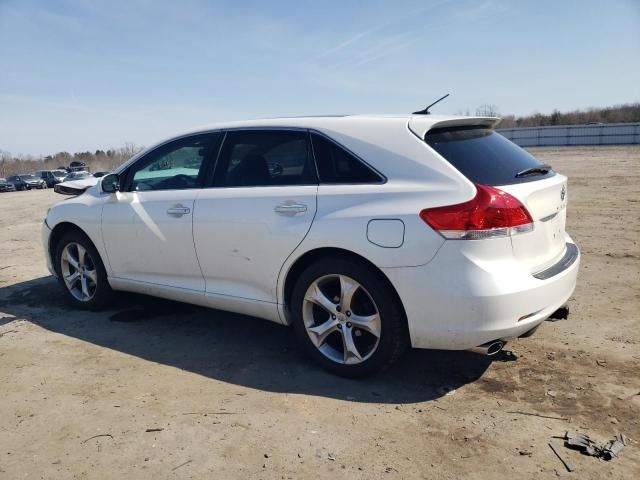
(100, 160)
(616, 114)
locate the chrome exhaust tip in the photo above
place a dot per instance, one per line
(489, 348)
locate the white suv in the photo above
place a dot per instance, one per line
(367, 234)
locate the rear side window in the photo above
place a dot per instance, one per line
(484, 156)
(336, 165)
(264, 158)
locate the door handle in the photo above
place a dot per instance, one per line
(290, 208)
(179, 211)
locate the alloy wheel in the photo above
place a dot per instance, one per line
(78, 272)
(341, 319)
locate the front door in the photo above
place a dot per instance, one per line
(147, 226)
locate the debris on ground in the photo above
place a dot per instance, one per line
(588, 446)
(565, 462)
(181, 465)
(614, 447)
(98, 436)
(533, 414)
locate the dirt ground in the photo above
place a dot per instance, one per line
(155, 389)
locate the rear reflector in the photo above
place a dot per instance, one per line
(491, 213)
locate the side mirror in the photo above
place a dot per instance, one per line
(110, 183)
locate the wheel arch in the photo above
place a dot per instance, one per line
(58, 232)
(301, 263)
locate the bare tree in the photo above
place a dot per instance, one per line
(98, 161)
(626, 113)
(487, 110)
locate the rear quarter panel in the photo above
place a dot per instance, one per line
(416, 179)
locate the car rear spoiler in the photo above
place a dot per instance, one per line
(419, 125)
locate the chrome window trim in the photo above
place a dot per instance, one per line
(133, 160)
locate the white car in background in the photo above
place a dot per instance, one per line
(367, 234)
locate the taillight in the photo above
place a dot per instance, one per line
(491, 213)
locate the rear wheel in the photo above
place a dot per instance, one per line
(347, 318)
(81, 272)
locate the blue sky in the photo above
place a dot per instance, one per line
(80, 74)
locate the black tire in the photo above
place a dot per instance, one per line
(103, 293)
(394, 337)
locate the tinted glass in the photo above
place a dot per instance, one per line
(336, 165)
(174, 166)
(264, 158)
(484, 156)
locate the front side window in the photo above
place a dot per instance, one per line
(174, 166)
(336, 165)
(264, 158)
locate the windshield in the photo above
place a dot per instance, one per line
(28, 177)
(59, 174)
(484, 156)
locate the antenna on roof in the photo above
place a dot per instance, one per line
(426, 110)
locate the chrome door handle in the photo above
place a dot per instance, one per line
(290, 209)
(179, 211)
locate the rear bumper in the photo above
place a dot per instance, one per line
(472, 295)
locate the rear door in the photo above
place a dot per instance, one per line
(259, 208)
(485, 157)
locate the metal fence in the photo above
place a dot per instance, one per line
(561, 135)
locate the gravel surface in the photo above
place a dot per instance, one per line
(156, 389)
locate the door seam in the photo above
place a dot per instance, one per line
(193, 239)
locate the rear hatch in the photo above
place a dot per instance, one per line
(487, 158)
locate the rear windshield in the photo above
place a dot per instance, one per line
(484, 156)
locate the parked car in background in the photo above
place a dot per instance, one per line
(77, 166)
(27, 182)
(367, 234)
(51, 177)
(6, 186)
(75, 186)
(77, 175)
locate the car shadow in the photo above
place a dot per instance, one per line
(234, 348)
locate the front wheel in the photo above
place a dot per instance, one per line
(347, 317)
(81, 272)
